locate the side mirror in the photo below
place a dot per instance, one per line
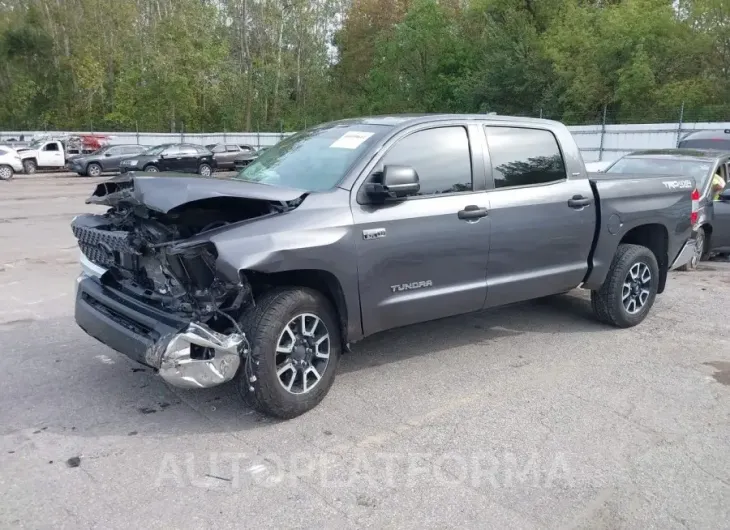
(725, 195)
(107, 154)
(397, 182)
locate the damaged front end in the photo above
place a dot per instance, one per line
(150, 291)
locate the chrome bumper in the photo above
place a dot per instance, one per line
(685, 256)
(186, 354)
(180, 369)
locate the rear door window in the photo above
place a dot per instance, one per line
(188, 150)
(524, 157)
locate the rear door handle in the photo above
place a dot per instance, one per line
(578, 202)
(472, 212)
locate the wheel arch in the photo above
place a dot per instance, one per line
(319, 280)
(655, 237)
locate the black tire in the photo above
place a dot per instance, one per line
(93, 170)
(29, 167)
(707, 250)
(6, 172)
(701, 251)
(151, 168)
(258, 381)
(607, 302)
(204, 170)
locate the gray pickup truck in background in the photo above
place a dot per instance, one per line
(355, 227)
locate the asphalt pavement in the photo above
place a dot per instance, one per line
(530, 416)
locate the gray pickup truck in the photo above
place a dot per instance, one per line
(358, 226)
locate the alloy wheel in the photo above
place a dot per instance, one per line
(637, 288)
(302, 353)
(699, 249)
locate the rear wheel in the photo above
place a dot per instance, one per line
(151, 169)
(6, 172)
(205, 170)
(630, 288)
(93, 170)
(295, 347)
(29, 166)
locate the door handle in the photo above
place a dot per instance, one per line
(578, 202)
(472, 212)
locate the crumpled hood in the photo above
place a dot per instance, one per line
(165, 192)
(27, 153)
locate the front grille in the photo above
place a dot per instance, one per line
(103, 247)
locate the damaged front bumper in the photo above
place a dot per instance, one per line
(186, 354)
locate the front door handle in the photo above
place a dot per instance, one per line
(578, 202)
(472, 212)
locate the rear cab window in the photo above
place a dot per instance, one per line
(524, 157)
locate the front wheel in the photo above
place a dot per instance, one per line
(93, 170)
(205, 170)
(295, 347)
(29, 166)
(630, 288)
(6, 172)
(151, 169)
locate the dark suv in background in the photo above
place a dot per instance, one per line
(107, 158)
(182, 158)
(716, 140)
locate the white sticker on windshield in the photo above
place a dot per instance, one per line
(351, 140)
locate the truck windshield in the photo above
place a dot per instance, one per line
(697, 169)
(314, 160)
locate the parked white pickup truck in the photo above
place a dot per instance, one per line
(43, 154)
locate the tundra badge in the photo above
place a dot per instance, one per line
(411, 286)
(373, 233)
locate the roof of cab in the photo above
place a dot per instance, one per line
(412, 119)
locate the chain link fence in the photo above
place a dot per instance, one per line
(601, 136)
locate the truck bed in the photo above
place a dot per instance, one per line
(625, 202)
